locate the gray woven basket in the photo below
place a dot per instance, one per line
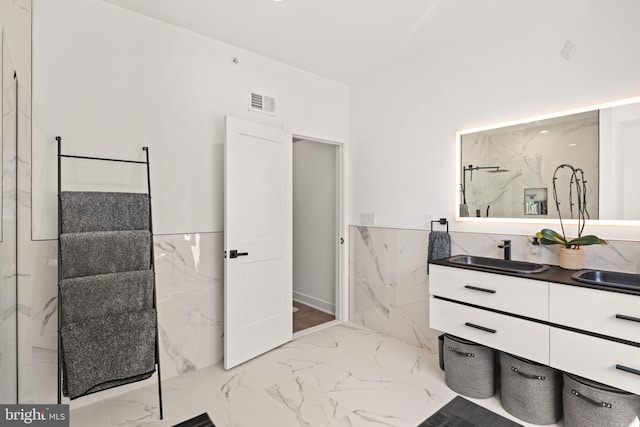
(469, 367)
(591, 404)
(530, 391)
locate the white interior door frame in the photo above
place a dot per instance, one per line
(342, 271)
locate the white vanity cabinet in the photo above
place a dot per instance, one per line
(588, 332)
(489, 309)
(603, 314)
(499, 331)
(607, 313)
(595, 358)
(525, 297)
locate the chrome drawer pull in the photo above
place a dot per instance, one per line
(628, 369)
(531, 377)
(593, 402)
(475, 288)
(631, 318)
(461, 353)
(482, 328)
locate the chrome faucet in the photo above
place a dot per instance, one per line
(506, 245)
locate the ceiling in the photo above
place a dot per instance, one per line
(339, 39)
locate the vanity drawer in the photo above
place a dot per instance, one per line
(595, 358)
(524, 297)
(595, 311)
(516, 336)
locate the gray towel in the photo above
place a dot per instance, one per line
(439, 246)
(105, 294)
(104, 352)
(101, 252)
(84, 211)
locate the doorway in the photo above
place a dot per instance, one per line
(317, 236)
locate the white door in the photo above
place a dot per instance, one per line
(257, 240)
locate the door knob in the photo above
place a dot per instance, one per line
(235, 254)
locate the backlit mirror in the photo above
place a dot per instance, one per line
(507, 171)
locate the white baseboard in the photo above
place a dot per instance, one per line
(318, 304)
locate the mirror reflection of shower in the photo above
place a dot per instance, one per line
(464, 208)
(531, 150)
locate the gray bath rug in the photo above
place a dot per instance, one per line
(460, 412)
(201, 420)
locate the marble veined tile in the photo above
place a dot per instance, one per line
(190, 288)
(410, 323)
(8, 372)
(189, 262)
(615, 255)
(409, 266)
(306, 402)
(344, 375)
(405, 405)
(44, 285)
(44, 368)
(368, 276)
(8, 307)
(389, 283)
(92, 415)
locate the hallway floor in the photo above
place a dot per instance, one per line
(342, 375)
(307, 317)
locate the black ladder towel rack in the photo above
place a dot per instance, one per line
(151, 264)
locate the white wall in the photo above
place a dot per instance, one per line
(507, 67)
(110, 81)
(314, 224)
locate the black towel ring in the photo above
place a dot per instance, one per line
(442, 221)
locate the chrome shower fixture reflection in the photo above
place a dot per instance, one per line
(490, 169)
(470, 169)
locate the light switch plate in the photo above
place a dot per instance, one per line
(368, 219)
(428, 217)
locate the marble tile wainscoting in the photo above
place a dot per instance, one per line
(388, 281)
(388, 284)
(388, 293)
(189, 279)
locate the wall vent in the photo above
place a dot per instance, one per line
(262, 103)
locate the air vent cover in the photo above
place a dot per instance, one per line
(261, 103)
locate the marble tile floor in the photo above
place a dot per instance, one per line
(337, 376)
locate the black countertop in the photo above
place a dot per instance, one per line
(554, 274)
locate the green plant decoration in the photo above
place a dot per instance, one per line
(550, 237)
(577, 183)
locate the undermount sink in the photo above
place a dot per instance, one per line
(608, 278)
(498, 264)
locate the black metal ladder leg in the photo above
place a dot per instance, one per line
(59, 139)
(155, 297)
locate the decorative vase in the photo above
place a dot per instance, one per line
(572, 259)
